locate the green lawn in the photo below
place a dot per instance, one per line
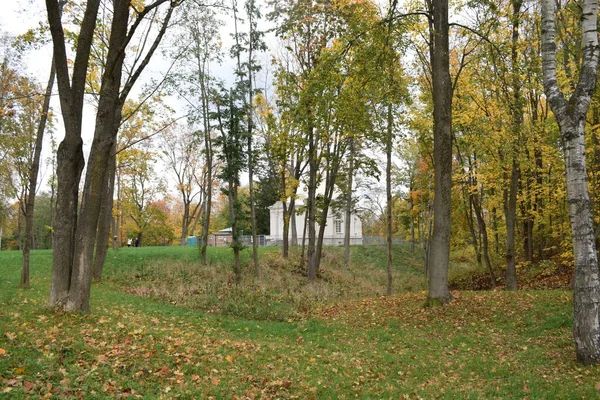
(483, 345)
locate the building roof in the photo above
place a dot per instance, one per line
(223, 232)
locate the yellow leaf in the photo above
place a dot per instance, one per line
(229, 358)
(138, 4)
(2, 352)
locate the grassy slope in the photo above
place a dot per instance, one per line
(483, 345)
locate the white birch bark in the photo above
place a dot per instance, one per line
(570, 115)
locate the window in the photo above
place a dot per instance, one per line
(338, 226)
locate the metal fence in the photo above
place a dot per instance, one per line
(366, 241)
(247, 240)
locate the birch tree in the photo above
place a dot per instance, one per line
(571, 117)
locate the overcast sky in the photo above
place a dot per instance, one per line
(18, 16)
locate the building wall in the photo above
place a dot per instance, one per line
(334, 229)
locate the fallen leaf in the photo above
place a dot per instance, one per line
(28, 386)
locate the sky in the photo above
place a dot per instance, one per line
(20, 15)
(15, 19)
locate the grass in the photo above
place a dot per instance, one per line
(482, 345)
(280, 294)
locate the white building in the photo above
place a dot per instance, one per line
(334, 230)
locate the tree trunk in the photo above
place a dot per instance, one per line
(33, 177)
(185, 223)
(115, 233)
(118, 236)
(311, 252)
(571, 121)
(253, 212)
(494, 217)
(476, 201)
(293, 224)
(235, 237)
(517, 122)
(539, 202)
(250, 131)
(348, 216)
(303, 248)
(106, 218)
(528, 238)
(411, 203)
(285, 246)
(442, 155)
(96, 181)
(70, 160)
(469, 217)
(510, 212)
(586, 326)
(209, 174)
(388, 191)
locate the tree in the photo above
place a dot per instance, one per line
(29, 174)
(250, 43)
(393, 93)
(230, 119)
(180, 149)
(194, 83)
(438, 292)
(159, 231)
(70, 154)
(25, 133)
(33, 177)
(141, 188)
(284, 149)
(254, 44)
(571, 117)
(322, 102)
(76, 235)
